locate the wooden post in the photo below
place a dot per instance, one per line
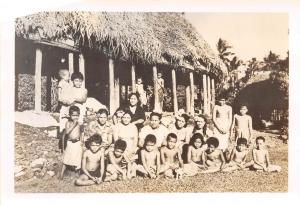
(111, 86)
(188, 99)
(156, 103)
(82, 68)
(117, 89)
(71, 63)
(192, 110)
(204, 94)
(133, 78)
(174, 90)
(38, 81)
(208, 96)
(213, 92)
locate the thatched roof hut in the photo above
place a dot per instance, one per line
(163, 40)
(135, 37)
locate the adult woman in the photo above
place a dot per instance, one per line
(137, 112)
(200, 126)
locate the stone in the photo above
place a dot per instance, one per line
(20, 174)
(51, 173)
(38, 163)
(18, 169)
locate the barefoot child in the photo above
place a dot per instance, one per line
(213, 158)
(119, 165)
(92, 163)
(242, 123)
(140, 90)
(194, 156)
(150, 158)
(171, 157)
(261, 157)
(238, 157)
(73, 153)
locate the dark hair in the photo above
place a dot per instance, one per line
(204, 127)
(101, 111)
(94, 138)
(186, 119)
(241, 141)
(260, 138)
(73, 108)
(155, 114)
(127, 112)
(118, 110)
(76, 75)
(212, 141)
(171, 135)
(196, 136)
(150, 138)
(120, 144)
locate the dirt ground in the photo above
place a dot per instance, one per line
(32, 143)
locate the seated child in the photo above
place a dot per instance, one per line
(194, 156)
(119, 165)
(92, 163)
(261, 157)
(171, 157)
(213, 158)
(73, 152)
(238, 157)
(150, 158)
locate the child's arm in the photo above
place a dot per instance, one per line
(162, 155)
(232, 154)
(204, 159)
(129, 166)
(102, 166)
(69, 127)
(231, 129)
(157, 163)
(189, 154)
(222, 160)
(250, 128)
(179, 158)
(135, 139)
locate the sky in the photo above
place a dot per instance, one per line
(250, 34)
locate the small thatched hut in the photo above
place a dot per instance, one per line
(111, 49)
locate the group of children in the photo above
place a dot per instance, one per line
(121, 151)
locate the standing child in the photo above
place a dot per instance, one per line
(150, 158)
(140, 90)
(73, 153)
(194, 156)
(238, 157)
(119, 164)
(171, 157)
(261, 157)
(213, 158)
(92, 163)
(64, 98)
(78, 93)
(242, 123)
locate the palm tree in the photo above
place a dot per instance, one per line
(271, 61)
(234, 64)
(224, 53)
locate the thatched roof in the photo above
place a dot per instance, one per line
(150, 38)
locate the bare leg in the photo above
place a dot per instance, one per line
(84, 180)
(111, 177)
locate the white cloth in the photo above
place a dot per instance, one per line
(160, 133)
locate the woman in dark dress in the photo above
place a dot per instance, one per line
(138, 113)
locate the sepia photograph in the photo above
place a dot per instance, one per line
(151, 102)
